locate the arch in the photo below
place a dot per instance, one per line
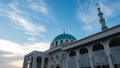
(46, 61)
(57, 66)
(97, 46)
(61, 41)
(57, 57)
(52, 59)
(114, 44)
(72, 53)
(39, 60)
(84, 59)
(56, 43)
(100, 58)
(72, 59)
(63, 62)
(63, 56)
(83, 50)
(66, 40)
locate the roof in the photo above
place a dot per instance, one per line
(64, 36)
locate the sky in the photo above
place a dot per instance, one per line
(27, 25)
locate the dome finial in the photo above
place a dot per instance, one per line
(63, 31)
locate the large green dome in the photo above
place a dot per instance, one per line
(64, 36)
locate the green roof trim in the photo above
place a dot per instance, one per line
(64, 36)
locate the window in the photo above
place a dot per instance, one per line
(63, 56)
(61, 41)
(66, 40)
(57, 57)
(71, 40)
(56, 43)
(52, 59)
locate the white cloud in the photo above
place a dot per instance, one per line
(16, 51)
(13, 6)
(88, 28)
(39, 8)
(26, 25)
(88, 15)
(19, 18)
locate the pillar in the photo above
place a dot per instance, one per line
(78, 58)
(91, 58)
(108, 54)
(67, 59)
(42, 62)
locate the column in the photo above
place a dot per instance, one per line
(67, 59)
(108, 54)
(42, 62)
(91, 58)
(78, 59)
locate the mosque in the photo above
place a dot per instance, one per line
(101, 50)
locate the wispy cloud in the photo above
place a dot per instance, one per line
(87, 12)
(39, 8)
(18, 16)
(26, 25)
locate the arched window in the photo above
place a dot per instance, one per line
(83, 50)
(72, 59)
(52, 59)
(66, 40)
(97, 46)
(72, 53)
(57, 66)
(39, 60)
(84, 59)
(115, 50)
(63, 55)
(61, 41)
(71, 40)
(57, 57)
(46, 62)
(64, 61)
(56, 43)
(100, 58)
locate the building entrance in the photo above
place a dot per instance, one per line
(58, 67)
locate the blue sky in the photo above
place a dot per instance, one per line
(27, 25)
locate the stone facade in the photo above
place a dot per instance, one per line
(101, 50)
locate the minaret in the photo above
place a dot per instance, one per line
(102, 20)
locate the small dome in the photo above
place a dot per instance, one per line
(64, 36)
(61, 39)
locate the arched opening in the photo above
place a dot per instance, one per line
(84, 59)
(57, 57)
(72, 53)
(63, 65)
(115, 51)
(39, 60)
(61, 41)
(52, 59)
(56, 43)
(46, 62)
(100, 58)
(72, 60)
(57, 66)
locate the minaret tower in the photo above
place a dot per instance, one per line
(102, 20)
